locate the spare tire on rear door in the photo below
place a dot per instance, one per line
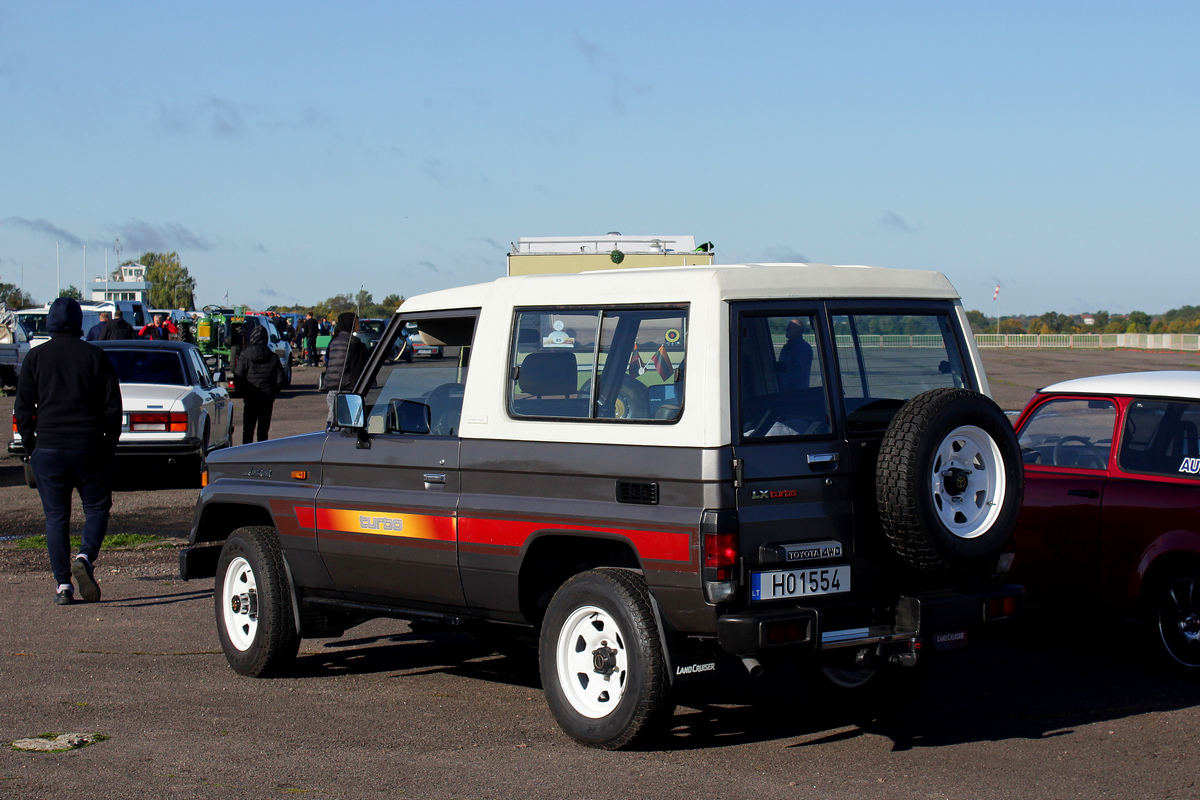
(949, 482)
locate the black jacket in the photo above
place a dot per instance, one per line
(258, 366)
(310, 328)
(344, 361)
(116, 329)
(68, 397)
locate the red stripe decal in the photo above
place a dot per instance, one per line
(653, 545)
(306, 517)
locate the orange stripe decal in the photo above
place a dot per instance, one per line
(386, 523)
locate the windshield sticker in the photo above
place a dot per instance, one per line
(560, 337)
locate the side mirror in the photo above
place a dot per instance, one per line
(348, 410)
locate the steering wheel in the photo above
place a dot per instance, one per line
(1089, 452)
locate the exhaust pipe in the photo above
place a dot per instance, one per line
(752, 666)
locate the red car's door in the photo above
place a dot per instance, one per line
(1067, 444)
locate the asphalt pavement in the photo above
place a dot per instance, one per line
(1064, 705)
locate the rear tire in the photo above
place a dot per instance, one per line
(601, 659)
(1177, 621)
(253, 604)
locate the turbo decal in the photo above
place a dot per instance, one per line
(379, 523)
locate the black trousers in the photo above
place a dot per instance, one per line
(256, 414)
(58, 473)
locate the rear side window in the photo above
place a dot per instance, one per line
(618, 364)
(886, 359)
(782, 392)
(1160, 438)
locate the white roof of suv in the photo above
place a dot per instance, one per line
(683, 284)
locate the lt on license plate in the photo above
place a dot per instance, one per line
(799, 582)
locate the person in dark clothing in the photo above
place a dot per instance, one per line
(259, 377)
(795, 359)
(68, 412)
(97, 330)
(344, 359)
(117, 328)
(311, 329)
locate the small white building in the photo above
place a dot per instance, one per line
(132, 285)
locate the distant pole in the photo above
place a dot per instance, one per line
(996, 298)
(83, 286)
(57, 272)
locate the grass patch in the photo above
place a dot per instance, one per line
(114, 541)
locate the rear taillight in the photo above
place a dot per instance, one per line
(719, 530)
(720, 556)
(161, 421)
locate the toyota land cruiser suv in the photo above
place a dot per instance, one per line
(649, 471)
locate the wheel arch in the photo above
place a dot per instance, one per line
(553, 558)
(219, 518)
(1159, 564)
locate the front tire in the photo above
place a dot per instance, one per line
(601, 659)
(254, 605)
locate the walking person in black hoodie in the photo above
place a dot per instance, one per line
(344, 359)
(68, 412)
(259, 377)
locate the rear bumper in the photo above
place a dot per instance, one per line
(178, 447)
(937, 616)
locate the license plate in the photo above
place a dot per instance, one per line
(799, 582)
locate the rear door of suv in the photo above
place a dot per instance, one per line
(794, 510)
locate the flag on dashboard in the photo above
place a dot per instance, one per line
(636, 367)
(662, 362)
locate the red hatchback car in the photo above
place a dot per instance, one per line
(1111, 515)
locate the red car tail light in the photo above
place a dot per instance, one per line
(160, 421)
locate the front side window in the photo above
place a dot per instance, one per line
(423, 396)
(1073, 433)
(1160, 438)
(621, 364)
(781, 388)
(886, 359)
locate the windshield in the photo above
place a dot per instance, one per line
(143, 366)
(35, 324)
(371, 326)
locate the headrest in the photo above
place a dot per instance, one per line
(549, 373)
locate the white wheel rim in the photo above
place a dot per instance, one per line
(968, 482)
(592, 662)
(239, 599)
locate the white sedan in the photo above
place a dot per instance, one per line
(172, 406)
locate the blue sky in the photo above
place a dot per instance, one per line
(292, 151)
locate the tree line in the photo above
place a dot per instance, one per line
(1185, 319)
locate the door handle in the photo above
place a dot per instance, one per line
(435, 481)
(823, 460)
(1089, 493)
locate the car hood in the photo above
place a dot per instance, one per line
(151, 397)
